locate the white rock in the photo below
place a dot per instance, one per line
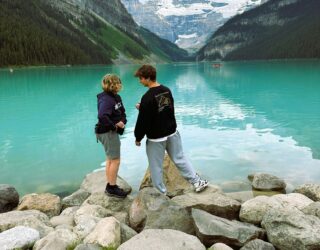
(164, 239)
(106, 233)
(18, 237)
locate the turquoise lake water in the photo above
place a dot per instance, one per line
(234, 120)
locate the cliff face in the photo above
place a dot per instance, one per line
(276, 29)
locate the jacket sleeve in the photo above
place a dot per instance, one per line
(123, 113)
(143, 121)
(105, 108)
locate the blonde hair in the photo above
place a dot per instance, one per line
(111, 83)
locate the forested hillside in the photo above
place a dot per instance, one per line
(277, 29)
(39, 32)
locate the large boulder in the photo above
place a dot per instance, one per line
(290, 227)
(87, 217)
(209, 200)
(164, 239)
(31, 218)
(212, 229)
(112, 204)
(9, 198)
(312, 209)
(47, 203)
(18, 238)
(172, 179)
(310, 190)
(75, 199)
(118, 208)
(153, 210)
(262, 181)
(96, 182)
(253, 210)
(85, 224)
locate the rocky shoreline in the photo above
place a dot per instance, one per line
(265, 218)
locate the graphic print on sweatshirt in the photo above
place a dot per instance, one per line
(118, 105)
(163, 100)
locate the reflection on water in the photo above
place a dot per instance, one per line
(234, 120)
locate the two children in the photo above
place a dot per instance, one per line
(156, 120)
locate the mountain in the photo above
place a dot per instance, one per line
(275, 30)
(41, 32)
(187, 23)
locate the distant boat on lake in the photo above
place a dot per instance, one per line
(216, 65)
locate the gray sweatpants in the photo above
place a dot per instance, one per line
(155, 153)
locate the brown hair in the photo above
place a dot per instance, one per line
(111, 83)
(147, 71)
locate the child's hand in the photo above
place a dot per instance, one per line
(138, 105)
(120, 124)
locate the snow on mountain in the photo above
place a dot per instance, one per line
(227, 8)
(188, 23)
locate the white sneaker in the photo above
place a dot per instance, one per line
(200, 185)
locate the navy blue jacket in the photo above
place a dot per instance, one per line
(110, 110)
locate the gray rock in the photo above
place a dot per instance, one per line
(212, 202)
(212, 229)
(62, 220)
(90, 210)
(164, 239)
(244, 196)
(310, 190)
(312, 209)
(263, 181)
(220, 246)
(290, 227)
(258, 245)
(85, 225)
(9, 198)
(293, 200)
(112, 204)
(253, 210)
(60, 239)
(126, 232)
(151, 209)
(96, 182)
(31, 218)
(75, 199)
(174, 182)
(18, 238)
(70, 211)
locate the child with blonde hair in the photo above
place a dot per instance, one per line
(112, 120)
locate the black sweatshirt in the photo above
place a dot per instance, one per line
(110, 110)
(156, 114)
